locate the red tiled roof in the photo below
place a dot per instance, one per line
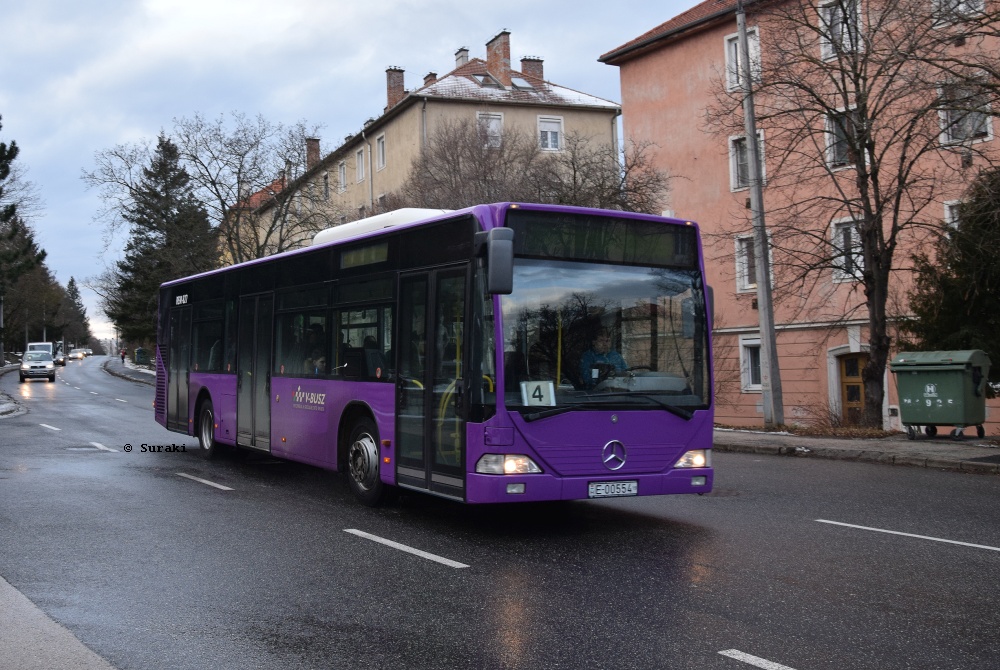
(692, 17)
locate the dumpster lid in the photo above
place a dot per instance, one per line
(975, 357)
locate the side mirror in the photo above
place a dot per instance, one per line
(500, 261)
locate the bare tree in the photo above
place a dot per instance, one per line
(464, 165)
(591, 173)
(242, 170)
(872, 113)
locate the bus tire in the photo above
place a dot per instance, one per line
(363, 463)
(208, 447)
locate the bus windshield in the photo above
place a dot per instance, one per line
(590, 333)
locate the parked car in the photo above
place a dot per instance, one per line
(77, 355)
(38, 364)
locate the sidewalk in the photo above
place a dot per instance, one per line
(129, 370)
(969, 454)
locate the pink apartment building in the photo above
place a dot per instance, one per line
(670, 76)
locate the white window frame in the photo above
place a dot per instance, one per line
(827, 11)
(380, 152)
(840, 273)
(734, 164)
(949, 12)
(951, 216)
(545, 126)
(487, 122)
(749, 343)
(746, 264)
(359, 165)
(733, 70)
(341, 176)
(948, 125)
(832, 141)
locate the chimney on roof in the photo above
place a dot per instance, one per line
(498, 58)
(312, 152)
(394, 86)
(533, 67)
(461, 57)
(430, 78)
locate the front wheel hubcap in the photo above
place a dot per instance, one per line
(363, 459)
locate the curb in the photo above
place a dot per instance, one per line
(864, 456)
(137, 379)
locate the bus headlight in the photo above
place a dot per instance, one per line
(506, 464)
(696, 458)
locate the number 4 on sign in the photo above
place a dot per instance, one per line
(538, 394)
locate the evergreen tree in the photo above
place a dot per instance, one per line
(18, 251)
(169, 237)
(72, 317)
(956, 297)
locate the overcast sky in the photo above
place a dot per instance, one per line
(79, 77)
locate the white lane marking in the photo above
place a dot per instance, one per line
(45, 425)
(204, 481)
(402, 547)
(919, 537)
(93, 393)
(102, 447)
(77, 388)
(120, 400)
(754, 660)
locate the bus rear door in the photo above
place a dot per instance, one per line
(253, 365)
(430, 420)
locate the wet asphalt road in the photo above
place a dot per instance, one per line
(152, 569)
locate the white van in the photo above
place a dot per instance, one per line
(41, 346)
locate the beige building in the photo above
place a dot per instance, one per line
(359, 177)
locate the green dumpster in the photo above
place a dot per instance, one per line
(141, 356)
(941, 388)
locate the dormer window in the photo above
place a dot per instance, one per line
(521, 83)
(486, 81)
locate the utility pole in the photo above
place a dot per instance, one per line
(770, 374)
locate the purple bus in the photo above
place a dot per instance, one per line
(501, 353)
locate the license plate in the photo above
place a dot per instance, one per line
(612, 489)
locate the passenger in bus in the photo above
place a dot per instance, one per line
(600, 359)
(315, 362)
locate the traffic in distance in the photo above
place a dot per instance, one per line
(500, 353)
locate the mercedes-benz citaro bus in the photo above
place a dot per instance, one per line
(500, 353)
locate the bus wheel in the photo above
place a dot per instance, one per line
(209, 448)
(363, 463)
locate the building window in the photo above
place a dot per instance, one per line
(840, 28)
(380, 152)
(750, 363)
(952, 214)
(359, 164)
(955, 11)
(848, 261)
(734, 69)
(964, 115)
(326, 185)
(842, 138)
(342, 177)
(746, 264)
(550, 130)
(490, 129)
(739, 161)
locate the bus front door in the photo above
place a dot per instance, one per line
(430, 421)
(177, 362)
(253, 365)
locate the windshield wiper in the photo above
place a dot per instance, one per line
(673, 409)
(535, 416)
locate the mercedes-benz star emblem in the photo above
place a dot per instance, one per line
(613, 455)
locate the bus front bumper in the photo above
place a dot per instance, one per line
(539, 487)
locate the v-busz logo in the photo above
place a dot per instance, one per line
(315, 402)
